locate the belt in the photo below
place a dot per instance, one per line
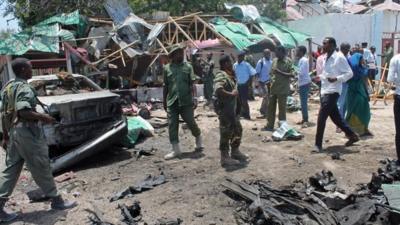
(26, 124)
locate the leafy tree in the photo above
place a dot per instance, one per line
(6, 33)
(274, 9)
(32, 12)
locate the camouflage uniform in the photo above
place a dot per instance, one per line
(228, 110)
(27, 142)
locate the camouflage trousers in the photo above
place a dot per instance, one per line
(230, 131)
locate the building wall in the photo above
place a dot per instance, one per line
(352, 28)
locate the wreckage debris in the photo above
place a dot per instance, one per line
(96, 218)
(317, 202)
(169, 221)
(131, 215)
(324, 181)
(147, 184)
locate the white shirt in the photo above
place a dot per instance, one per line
(394, 72)
(304, 76)
(367, 56)
(337, 67)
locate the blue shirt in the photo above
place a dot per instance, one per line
(263, 69)
(243, 72)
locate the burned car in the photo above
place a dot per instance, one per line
(89, 119)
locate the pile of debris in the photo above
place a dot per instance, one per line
(319, 201)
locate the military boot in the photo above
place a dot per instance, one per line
(226, 160)
(4, 215)
(59, 203)
(176, 151)
(199, 143)
(236, 154)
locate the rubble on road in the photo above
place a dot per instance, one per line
(147, 184)
(131, 214)
(317, 202)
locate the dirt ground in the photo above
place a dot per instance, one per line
(193, 191)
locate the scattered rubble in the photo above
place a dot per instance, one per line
(317, 202)
(147, 184)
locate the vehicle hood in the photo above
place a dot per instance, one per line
(62, 99)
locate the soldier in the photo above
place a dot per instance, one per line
(179, 92)
(227, 106)
(281, 72)
(24, 140)
(208, 78)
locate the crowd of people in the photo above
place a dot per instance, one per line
(345, 75)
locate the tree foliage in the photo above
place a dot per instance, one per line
(6, 33)
(273, 9)
(30, 12)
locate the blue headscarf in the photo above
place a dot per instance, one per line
(359, 70)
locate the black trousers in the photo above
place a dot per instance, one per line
(244, 96)
(396, 110)
(329, 109)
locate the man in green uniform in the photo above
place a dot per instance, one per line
(386, 57)
(179, 92)
(228, 110)
(24, 140)
(208, 78)
(281, 72)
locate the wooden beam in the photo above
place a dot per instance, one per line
(116, 52)
(214, 31)
(172, 20)
(184, 33)
(162, 46)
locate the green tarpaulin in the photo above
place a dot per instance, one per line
(74, 18)
(286, 36)
(237, 33)
(249, 13)
(43, 37)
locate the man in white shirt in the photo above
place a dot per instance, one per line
(394, 77)
(304, 82)
(336, 70)
(263, 69)
(372, 65)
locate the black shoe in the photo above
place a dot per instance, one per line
(317, 149)
(267, 129)
(353, 139)
(59, 203)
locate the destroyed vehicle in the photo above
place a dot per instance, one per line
(89, 119)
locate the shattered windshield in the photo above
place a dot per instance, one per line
(63, 85)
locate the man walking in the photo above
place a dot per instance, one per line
(394, 76)
(244, 71)
(335, 72)
(281, 72)
(179, 92)
(24, 140)
(304, 82)
(228, 110)
(263, 69)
